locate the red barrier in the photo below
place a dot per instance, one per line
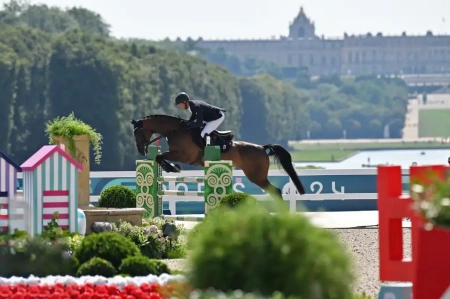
(428, 269)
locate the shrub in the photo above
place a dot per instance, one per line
(26, 256)
(161, 267)
(138, 266)
(146, 243)
(117, 197)
(107, 245)
(234, 199)
(251, 250)
(96, 266)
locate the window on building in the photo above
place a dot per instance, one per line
(289, 58)
(301, 32)
(333, 61)
(324, 60)
(350, 57)
(357, 57)
(311, 59)
(363, 56)
(300, 60)
(374, 55)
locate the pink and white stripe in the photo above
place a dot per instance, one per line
(3, 213)
(56, 201)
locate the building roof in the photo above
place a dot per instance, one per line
(10, 161)
(43, 154)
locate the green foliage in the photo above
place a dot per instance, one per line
(117, 196)
(68, 127)
(234, 199)
(146, 242)
(107, 245)
(53, 19)
(138, 266)
(53, 232)
(161, 267)
(96, 266)
(25, 256)
(249, 249)
(211, 293)
(432, 200)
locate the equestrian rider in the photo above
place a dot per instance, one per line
(201, 113)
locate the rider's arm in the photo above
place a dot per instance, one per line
(197, 112)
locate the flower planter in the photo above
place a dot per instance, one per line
(432, 263)
(82, 156)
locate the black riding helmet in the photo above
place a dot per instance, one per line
(181, 98)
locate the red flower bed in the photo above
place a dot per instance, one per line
(87, 291)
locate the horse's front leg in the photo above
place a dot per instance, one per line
(166, 166)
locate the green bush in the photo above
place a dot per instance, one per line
(107, 245)
(25, 256)
(234, 199)
(147, 244)
(117, 197)
(138, 266)
(161, 267)
(251, 250)
(96, 266)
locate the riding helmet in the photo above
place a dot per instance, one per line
(181, 98)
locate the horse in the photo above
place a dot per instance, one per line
(187, 146)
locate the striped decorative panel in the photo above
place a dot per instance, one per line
(8, 175)
(3, 211)
(56, 201)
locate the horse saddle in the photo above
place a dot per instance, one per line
(223, 134)
(223, 139)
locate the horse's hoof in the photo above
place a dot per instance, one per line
(175, 167)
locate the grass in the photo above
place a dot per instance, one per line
(321, 155)
(434, 123)
(364, 146)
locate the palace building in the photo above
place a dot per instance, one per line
(350, 55)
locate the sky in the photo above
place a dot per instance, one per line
(253, 19)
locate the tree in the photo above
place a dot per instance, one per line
(90, 21)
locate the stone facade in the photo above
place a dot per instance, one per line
(352, 55)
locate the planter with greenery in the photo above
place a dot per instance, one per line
(69, 128)
(431, 195)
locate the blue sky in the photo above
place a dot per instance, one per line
(251, 19)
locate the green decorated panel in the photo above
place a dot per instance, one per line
(147, 188)
(218, 182)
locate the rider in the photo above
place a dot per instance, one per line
(201, 113)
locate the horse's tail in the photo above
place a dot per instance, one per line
(283, 158)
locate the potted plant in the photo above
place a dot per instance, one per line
(430, 191)
(76, 137)
(69, 128)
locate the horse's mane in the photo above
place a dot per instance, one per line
(165, 116)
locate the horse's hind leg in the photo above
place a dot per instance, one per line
(166, 166)
(256, 170)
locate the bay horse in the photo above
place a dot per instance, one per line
(186, 146)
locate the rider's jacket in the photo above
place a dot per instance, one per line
(203, 112)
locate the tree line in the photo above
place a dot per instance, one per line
(55, 61)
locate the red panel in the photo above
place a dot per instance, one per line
(391, 209)
(433, 264)
(56, 193)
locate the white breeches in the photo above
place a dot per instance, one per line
(212, 125)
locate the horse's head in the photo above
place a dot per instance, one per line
(154, 124)
(141, 135)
